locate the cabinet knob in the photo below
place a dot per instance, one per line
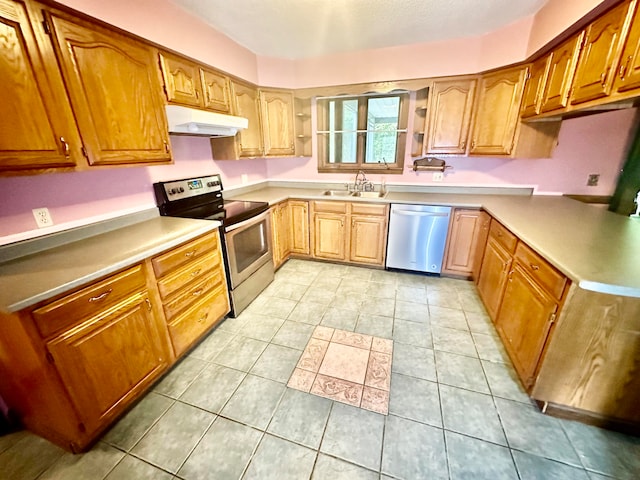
(196, 272)
(148, 302)
(197, 293)
(166, 146)
(534, 267)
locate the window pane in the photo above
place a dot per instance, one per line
(382, 123)
(342, 137)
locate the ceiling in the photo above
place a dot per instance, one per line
(296, 29)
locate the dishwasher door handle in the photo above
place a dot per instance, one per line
(414, 213)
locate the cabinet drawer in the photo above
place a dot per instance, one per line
(193, 293)
(189, 326)
(503, 236)
(369, 209)
(196, 269)
(540, 270)
(183, 254)
(88, 301)
(330, 207)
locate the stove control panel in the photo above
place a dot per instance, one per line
(192, 187)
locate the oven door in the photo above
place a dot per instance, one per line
(248, 247)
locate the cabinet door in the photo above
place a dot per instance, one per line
(498, 112)
(38, 130)
(116, 96)
(628, 77)
(524, 322)
(562, 67)
(215, 88)
(277, 118)
(247, 104)
(450, 108)
(534, 87)
(368, 239)
(481, 245)
(299, 228)
(329, 236)
(493, 276)
(284, 223)
(109, 359)
(275, 237)
(181, 80)
(461, 243)
(598, 63)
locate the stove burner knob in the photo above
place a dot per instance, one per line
(181, 189)
(210, 184)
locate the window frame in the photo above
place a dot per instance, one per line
(322, 133)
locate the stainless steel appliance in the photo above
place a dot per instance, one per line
(246, 232)
(417, 237)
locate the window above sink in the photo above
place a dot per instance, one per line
(363, 132)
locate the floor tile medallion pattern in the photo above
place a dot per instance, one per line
(348, 367)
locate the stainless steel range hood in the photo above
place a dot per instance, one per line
(191, 121)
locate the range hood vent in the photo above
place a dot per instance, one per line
(191, 121)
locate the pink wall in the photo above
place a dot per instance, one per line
(166, 24)
(74, 198)
(555, 17)
(593, 144)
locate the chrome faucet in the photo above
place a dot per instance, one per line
(362, 185)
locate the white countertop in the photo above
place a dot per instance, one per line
(28, 280)
(597, 249)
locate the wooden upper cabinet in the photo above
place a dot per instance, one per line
(277, 118)
(534, 87)
(115, 92)
(628, 75)
(562, 67)
(181, 80)
(215, 89)
(37, 125)
(450, 107)
(497, 112)
(599, 58)
(246, 103)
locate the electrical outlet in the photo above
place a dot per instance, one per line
(43, 217)
(592, 180)
(438, 176)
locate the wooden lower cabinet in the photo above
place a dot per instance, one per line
(349, 231)
(109, 358)
(524, 322)
(289, 230)
(368, 239)
(468, 229)
(493, 276)
(299, 216)
(71, 365)
(280, 228)
(330, 236)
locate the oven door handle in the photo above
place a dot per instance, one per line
(249, 221)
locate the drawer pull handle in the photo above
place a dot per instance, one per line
(534, 267)
(196, 272)
(190, 254)
(148, 302)
(203, 318)
(100, 297)
(197, 293)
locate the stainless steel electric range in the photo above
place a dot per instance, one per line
(246, 232)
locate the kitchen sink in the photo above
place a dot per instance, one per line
(369, 194)
(336, 193)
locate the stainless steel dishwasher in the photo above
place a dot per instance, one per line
(417, 237)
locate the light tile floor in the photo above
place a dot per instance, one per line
(225, 412)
